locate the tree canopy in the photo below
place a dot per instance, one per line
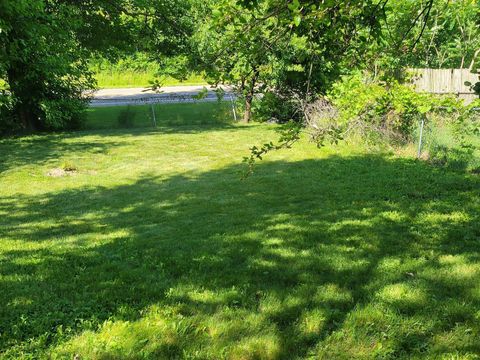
(45, 47)
(285, 50)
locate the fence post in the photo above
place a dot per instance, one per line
(233, 108)
(420, 140)
(154, 119)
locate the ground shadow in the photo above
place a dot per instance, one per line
(42, 148)
(39, 149)
(327, 237)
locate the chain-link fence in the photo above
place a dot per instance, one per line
(449, 143)
(211, 113)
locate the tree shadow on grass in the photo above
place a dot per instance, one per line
(335, 257)
(170, 129)
(40, 149)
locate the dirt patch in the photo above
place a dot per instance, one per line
(61, 172)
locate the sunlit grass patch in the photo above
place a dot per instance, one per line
(362, 335)
(131, 78)
(259, 347)
(312, 323)
(404, 296)
(461, 342)
(151, 337)
(334, 296)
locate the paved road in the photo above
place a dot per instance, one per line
(139, 96)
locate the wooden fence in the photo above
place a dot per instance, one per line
(446, 81)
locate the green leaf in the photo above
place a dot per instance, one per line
(297, 20)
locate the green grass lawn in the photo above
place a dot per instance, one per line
(130, 78)
(155, 249)
(166, 115)
(444, 148)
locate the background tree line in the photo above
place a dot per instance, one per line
(288, 50)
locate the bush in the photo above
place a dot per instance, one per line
(64, 114)
(126, 117)
(391, 108)
(274, 107)
(388, 113)
(7, 120)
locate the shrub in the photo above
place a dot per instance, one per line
(391, 108)
(274, 107)
(126, 117)
(7, 121)
(64, 114)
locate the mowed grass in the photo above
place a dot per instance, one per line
(131, 78)
(212, 114)
(155, 249)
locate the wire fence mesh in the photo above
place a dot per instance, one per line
(161, 115)
(436, 138)
(447, 143)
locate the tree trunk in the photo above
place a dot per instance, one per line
(27, 118)
(24, 111)
(247, 116)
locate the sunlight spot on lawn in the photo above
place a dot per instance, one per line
(395, 216)
(396, 267)
(274, 242)
(360, 337)
(465, 271)
(461, 338)
(224, 296)
(333, 294)
(123, 339)
(263, 264)
(403, 296)
(455, 271)
(284, 227)
(264, 347)
(436, 217)
(312, 322)
(288, 253)
(451, 259)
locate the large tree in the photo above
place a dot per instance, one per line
(45, 46)
(287, 48)
(42, 63)
(236, 46)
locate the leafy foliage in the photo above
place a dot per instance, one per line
(45, 47)
(435, 34)
(394, 107)
(281, 48)
(381, 113)
(43, 65)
